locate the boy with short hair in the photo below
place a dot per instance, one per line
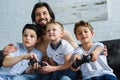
(59, 51)
(97, 69)
(17, 62)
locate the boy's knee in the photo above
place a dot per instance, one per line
(20, 78)
(65, 78)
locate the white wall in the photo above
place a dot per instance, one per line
(14, 14)
(109, 29)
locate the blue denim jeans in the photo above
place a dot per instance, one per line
(65, 78)
(6, 77)
(67, 74)
(104, 77)
(58, 75)
(26, 76)
(34, 76)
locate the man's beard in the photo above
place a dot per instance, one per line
(42, 25)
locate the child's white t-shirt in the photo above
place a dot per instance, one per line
(58, 54)
(97, 68)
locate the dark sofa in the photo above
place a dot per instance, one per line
(113, 58)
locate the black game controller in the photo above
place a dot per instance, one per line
(78, 62)
(32, 61)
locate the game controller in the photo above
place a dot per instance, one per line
(78, 62)
(32, 61)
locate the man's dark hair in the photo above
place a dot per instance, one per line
(41, 4)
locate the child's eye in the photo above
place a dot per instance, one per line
(79, 33)
(48, 30)
(25, 35)
(32, 36)
(54, 29)
(86, 31)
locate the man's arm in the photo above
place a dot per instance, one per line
(7, 49)
(67, 36)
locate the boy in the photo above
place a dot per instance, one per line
(59, 51)
(16, 63)
(95, 69)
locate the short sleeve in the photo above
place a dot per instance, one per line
(49, 51)
(68, 48)
(78, 50)
(99, 44)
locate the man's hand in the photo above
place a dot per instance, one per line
(105, 51)
(8, 49)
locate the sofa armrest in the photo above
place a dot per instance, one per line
(1, 58)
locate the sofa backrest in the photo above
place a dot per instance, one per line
(113, 58)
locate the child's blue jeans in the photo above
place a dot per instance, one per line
(103, 77)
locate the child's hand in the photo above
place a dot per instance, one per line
(76, 56)
(94, 56)
(35, 66)
(47, 69)
(29, 56)
(74, 68)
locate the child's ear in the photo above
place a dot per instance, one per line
(62, 33)
(92, 33)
